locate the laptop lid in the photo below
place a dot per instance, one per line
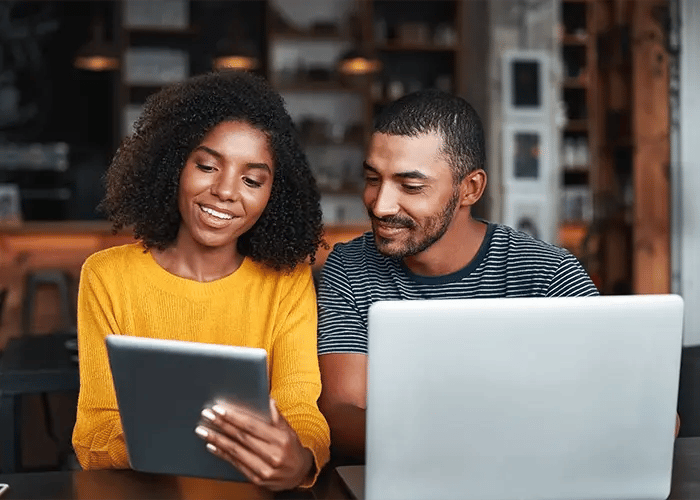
(528, 398)
(162, 387)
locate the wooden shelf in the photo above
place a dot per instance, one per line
(577, 125)
(161, 31)
(334, 87)
(333, 144)
(575, 83)
(308, 37)
(415, 47)
(341, 191)
(572, 39)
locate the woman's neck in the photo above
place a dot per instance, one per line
(198, 263)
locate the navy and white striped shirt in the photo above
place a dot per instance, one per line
(509, 263)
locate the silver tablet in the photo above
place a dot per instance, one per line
(162, 387)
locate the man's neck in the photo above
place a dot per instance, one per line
(454, 251)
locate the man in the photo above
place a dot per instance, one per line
(423, 173)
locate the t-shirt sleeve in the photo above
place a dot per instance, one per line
(571, 280)
(341, 327)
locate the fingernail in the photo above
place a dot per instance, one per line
(207, 414)
(219, 409)
(211, 448)
(201, 431)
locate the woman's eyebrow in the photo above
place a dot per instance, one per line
(209, 150)
(215, 153)
(261, 166)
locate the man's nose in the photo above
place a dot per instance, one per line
(386, 201)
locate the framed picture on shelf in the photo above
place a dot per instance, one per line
(526, 156)
(524, 82)
(527, 213)
(10, 209)
(157, 14)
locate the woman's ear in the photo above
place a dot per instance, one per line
(472, 187)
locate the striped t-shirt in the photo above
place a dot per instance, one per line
(509, 263)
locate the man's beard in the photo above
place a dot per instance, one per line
(434, 228)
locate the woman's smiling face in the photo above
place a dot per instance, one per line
(225, 185)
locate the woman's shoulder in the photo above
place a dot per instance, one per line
(258, 270)
(116, 257)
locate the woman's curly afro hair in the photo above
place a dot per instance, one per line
(143, 178)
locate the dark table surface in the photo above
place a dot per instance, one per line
(125, 484)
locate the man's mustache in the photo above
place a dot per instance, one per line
(393, 221)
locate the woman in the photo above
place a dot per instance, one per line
(226, 212)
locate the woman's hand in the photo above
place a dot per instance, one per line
(268, 453)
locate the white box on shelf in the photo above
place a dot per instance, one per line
(10, 207)
(576, 203)
(163, 14)
(525, 83)
(527, 156)
(131, 113)
(343, 209)
(529, 214)
(155, 66)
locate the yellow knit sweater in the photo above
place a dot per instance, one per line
(124, 291)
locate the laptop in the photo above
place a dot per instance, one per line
(162, 387)
(527, 399)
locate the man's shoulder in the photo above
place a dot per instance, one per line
(356, 251)
(519, 243)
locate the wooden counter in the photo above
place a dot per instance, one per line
(65, 245)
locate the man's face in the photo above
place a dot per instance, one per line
(409, 192)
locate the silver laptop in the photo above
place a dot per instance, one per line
(527, 399)
(162, 387)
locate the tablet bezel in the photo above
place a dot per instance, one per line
(160, 400)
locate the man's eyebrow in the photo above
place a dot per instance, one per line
(410, 174)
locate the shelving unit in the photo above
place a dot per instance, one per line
(169, 43)
(420, 45)
(579, 94)
(616, 65)
(154, 53)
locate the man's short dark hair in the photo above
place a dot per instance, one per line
(433, 110)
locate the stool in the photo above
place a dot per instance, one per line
(3, 296)
(58, 278)
(32, 365)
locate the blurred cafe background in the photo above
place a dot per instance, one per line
(591, 110)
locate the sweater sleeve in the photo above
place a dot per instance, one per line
(295, 374)
(98, 438)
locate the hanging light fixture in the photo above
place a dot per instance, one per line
(234, 53)
(358, 62)
(97, 54)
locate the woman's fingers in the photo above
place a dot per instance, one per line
(267, 452)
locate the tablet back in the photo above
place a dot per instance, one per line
(523, 399)
(162, 387)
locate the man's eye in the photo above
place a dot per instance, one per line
(371, 180)
(205, 168)
(411, 188)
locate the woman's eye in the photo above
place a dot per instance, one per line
(205, 168)
(252, 182)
